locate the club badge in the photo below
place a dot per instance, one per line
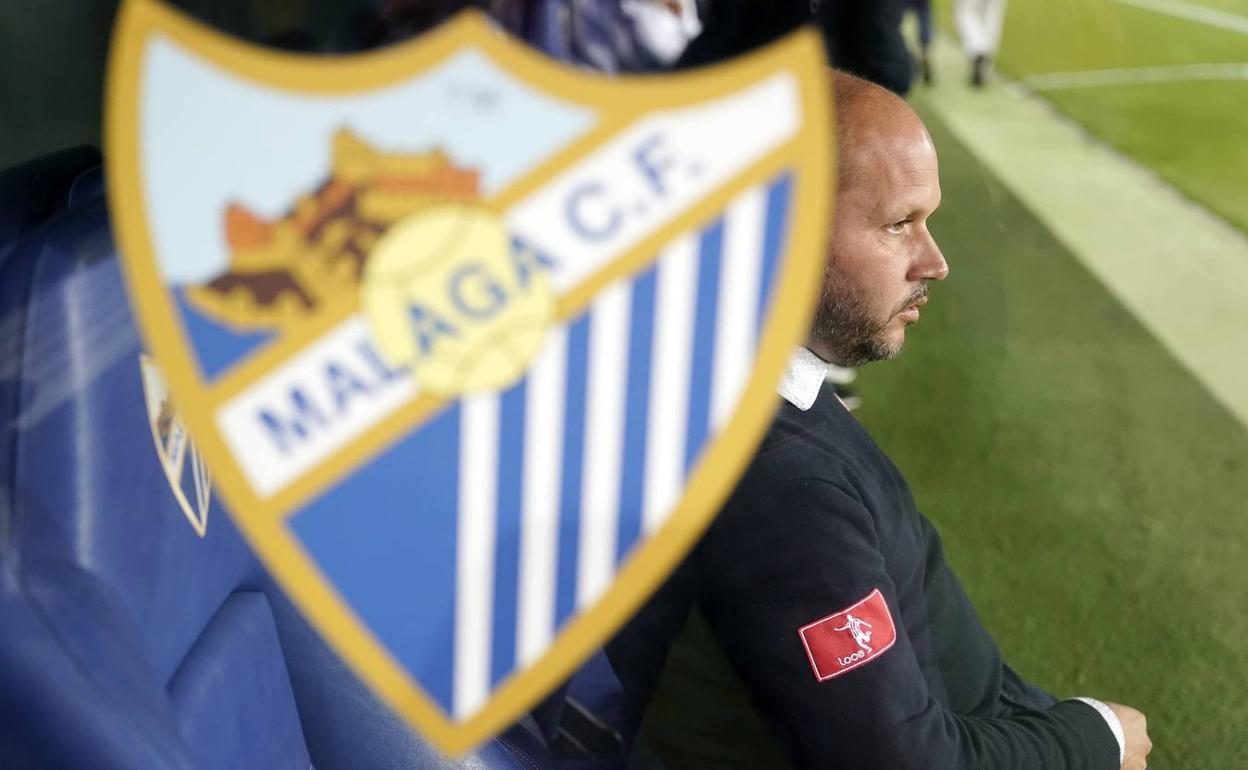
(473, 343)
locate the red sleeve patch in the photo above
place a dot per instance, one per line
(850, 638)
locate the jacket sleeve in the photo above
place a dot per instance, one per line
(806, 549)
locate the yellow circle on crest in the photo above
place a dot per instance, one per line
(450, 299)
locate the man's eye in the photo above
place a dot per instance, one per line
(897, 228)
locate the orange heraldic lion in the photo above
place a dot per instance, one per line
(282, 272)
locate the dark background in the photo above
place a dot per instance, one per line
(53, 57)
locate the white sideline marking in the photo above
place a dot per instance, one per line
(1232, 22)
(1182, 73)
(1180, 270)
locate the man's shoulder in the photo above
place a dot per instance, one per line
(824, 441)
(821, 456)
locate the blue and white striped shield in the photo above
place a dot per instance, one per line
(474, 345)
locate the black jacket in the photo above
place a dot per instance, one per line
(821, 520)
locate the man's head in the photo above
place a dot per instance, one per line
(880, 254)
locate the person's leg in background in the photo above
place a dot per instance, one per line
(966, 15)
(923, 12)
(979, 25)
(994, 23)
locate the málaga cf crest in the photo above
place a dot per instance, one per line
(474, 344)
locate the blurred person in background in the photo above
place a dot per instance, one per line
(923, 15)
(979, 25)
(864, 38)
(617, 36)
(860, 37)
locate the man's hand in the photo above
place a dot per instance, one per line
(1135, 731)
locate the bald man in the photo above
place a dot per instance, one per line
(816, 623)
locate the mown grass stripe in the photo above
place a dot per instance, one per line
(1232, 22)
(1176, 267)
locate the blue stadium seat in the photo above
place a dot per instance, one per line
(172, 632)
(53, 713)
(129, 639)
(593, 728)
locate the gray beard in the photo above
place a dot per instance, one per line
(845, 327)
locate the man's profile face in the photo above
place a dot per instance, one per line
(880, 252)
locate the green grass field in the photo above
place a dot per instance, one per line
(1191, 131)
(1092, 494)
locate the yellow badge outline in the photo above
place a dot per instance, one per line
(617, 101)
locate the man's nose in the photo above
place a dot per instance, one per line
(930, 264)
